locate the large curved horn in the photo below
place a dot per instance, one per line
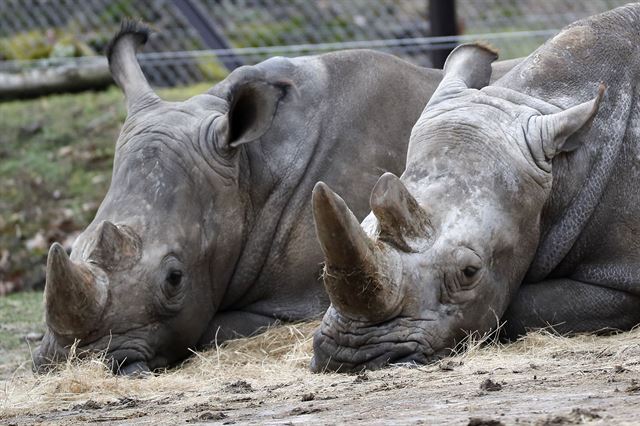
(361, 280)
(125, 69)
(400, 216)
(75, 294)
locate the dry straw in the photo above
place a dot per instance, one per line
(282, 354)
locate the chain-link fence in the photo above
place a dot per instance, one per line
(198, 40)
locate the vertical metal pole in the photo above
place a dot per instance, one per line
(442, 14)
(210, 35)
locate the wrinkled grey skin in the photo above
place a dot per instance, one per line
(206, 231)
(531, 180)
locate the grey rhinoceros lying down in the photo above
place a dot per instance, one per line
(206, 231)
(532, 180)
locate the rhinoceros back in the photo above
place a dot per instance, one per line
(593, 213)
(346, 120)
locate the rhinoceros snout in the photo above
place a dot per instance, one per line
(342, 359)
(347, 346)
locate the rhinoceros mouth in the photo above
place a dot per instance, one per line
(343, 345)
(121, 354)
(121, 361)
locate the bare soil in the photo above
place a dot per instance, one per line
(542, 379)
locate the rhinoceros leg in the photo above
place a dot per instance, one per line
(570, 306)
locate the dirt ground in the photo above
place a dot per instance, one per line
(542, 379)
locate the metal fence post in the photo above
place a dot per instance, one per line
(442, 14)
(210, 35)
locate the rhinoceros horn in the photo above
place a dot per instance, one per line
(400, 216)
(125, 69)
(359, 276)
(115, 248)
(75, 294)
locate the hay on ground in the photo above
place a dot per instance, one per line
(281, 356)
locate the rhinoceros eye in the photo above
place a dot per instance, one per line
(469, 267)
(470, 271)
(174, 277)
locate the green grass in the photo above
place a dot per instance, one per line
(20, 314)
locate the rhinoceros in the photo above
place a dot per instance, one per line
(519, 203)
(206, 231)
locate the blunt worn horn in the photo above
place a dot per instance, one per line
(115, 248)
(125, 69)
(75, 294)
(359, 276)
(400, 216)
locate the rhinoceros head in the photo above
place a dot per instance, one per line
(447, 245)
(148, 274)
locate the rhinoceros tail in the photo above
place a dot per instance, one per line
(129, 27)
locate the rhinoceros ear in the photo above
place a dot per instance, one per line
(253, 106)
(551, 132)
(467, 67)
(125, 69)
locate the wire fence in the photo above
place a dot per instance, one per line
(41, 33)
